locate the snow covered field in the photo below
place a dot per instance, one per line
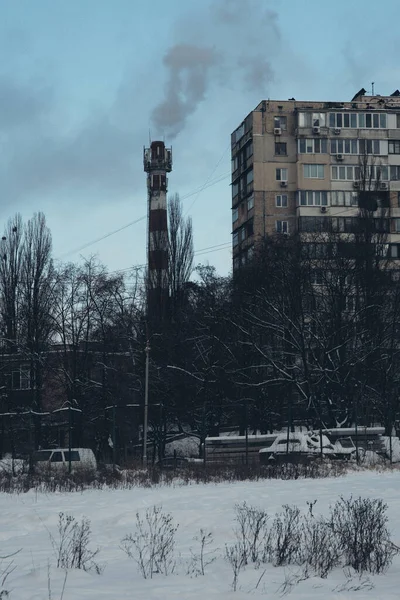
(27, 519)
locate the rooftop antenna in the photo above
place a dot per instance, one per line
(149, 137)
(373, 89)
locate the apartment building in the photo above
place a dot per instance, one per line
(301, 166)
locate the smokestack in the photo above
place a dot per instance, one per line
(157, 163)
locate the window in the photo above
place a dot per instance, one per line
(394, 250)
(341, 198)
(344, 224)
(235, 189)
(281, 200)
(398, 121)
(236, 263)
(57, 457)
(311, 198)
(394, 172)
(241, 234)
(236, 135)
(280, 148)
(381, 250)
(282, 226)
(20, 380)
(317, 277)
(235, 163)
(314, 224)
(235, 215)
(308, 119)
(281, 122)
(74, 455)
(313, 171)
(397, 225)
(41, 455)
(369, 147)
(235, 239)
(313, 146)
(281, 174)
(354, 146)
(345, 173)
(373, 172)
(250, 202)
(394, 146)
(357, 120)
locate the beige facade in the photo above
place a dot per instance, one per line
(293, 160)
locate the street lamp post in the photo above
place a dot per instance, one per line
(146, 404)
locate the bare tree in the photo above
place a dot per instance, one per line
(180, 252)
(37, 285)
(10, 275)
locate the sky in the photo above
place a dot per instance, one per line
(85, 84)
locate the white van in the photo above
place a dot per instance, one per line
(58, 459)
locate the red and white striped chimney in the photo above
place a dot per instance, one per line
(157, 163)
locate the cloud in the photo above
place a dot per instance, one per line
(228, 46)
(242, 37)
(22, 103)
(98, 158)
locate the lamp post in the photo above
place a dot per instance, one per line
(146, 403)
(69, 408)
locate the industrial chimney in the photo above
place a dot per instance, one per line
(157, 163)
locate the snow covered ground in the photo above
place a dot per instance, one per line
(27, 519)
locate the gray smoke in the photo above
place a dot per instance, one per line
(189, 70)
(242, 36)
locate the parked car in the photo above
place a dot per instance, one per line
(58, 459)
(345, 448)
(297, 445)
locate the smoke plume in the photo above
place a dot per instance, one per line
(188, 74)
(242, 38)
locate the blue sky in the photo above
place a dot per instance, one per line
(83, 82)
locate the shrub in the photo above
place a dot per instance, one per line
(204, 557)
(251, 532)
(285, 536)
(72, 545)
(360, 526)
(319, 546)
(234, 556)
(153, 542)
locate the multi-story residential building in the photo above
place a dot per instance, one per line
(300, 166)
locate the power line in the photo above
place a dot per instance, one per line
(208, 178)
(110, 233)
(103, 237)
(206, 250)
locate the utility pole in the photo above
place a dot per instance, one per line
(246, 432)
(69, 438)
(146, 404)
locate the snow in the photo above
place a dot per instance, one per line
(395, 447)
(26, 521)
(184, 447)
(309, 443)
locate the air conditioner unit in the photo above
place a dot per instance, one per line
(316, 129)
(323, 209)
(277, 131)
(356, 185)
(383, 186)
(339, 157)
(336, 131)
(283, 183)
